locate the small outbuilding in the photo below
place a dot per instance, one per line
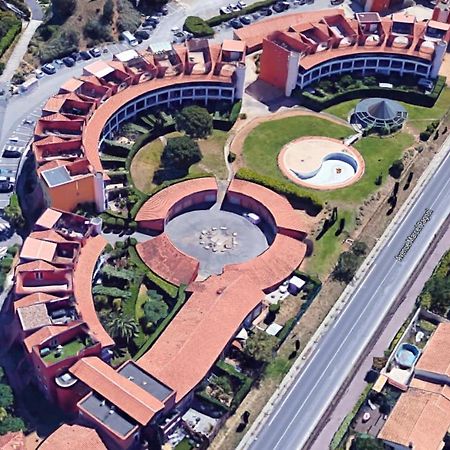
(379, 114)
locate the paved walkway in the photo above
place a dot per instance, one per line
(19, 51)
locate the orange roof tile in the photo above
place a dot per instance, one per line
(200, 331)
(82, 280)
(37, 249)
(73, 437)
(167, 261)
(44, 334)
(12, 441)
(436, 355)
(34, 299)
(420, 417)
(49, 218)
(119, 390)
(32, 266)
(49, 235)
(159, 205)
(232, 45)
(71, 85)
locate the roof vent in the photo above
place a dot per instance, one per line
(131, 378)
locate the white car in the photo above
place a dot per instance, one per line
(14, 139)
(241, 4)
(39, 73)
(225, 10)
(175, 29)
(234, 7)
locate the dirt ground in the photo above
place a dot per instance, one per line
(373, 221)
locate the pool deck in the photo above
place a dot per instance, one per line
(306, 154)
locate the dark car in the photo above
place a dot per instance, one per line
(279, 7)
(49, 69)
(141, 34)
(164, 10)
(68, 61)
(85, 55)
(236, 23)
(265, 12)
(11, 154)
(246, 20)
(75, 56)
(95, 52)
(151, 23)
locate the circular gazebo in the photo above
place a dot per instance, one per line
(379, 114)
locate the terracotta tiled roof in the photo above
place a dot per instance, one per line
(436, 356)
(37, 249)
(44, 334)
(32, 266)
(82, 280)
(34, 299)
(274, 265)
(12, 441)
(49, 218)
(71, 85)
(97, 122)
(50, 235)
(421, 417)
(196, 337)
(117, 389)
(73, 437)
(232, 45)
(159, 205)
(167, 261)
(283, 213)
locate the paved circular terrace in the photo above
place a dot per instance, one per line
(216, 238)
(320, 163)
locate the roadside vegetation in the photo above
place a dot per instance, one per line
(10, 27)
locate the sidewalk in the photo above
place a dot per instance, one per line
(358, 384)
(19, 51)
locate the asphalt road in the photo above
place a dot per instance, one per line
(294, 417)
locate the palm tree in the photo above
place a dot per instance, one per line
(123, 328)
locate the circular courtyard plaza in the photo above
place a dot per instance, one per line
(320, 163)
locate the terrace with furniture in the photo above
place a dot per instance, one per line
(198, 57)
(88, 88)
(54, 147)
(138, 65)
(166, 59)
(58, 125)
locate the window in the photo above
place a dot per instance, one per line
(39, 275)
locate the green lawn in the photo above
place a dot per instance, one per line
(327, 249)
(184, 445)
(69, 349)
(263, 144)
(147, 160)
(418, 116)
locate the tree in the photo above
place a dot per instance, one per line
(155, 308)
(13, 212)
(6, 396)
(181, 152)
(10, 423)
(359, 248)
(62, 9)
(260, 346)
(195, 121)
(366, 442)
(108, 12)
(123, 328)
(346, 267)
(396, 169)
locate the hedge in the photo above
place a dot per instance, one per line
(235, 110)
(198, 27)
(110, 291)
(416, 98)
(170, 289)
(115, 148)
(282, 187)
(207, 398)
(9, 37)
(217, 20)
(162, 326)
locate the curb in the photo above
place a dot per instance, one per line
(342, 301)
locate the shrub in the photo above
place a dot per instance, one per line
(235, 110)
(260, 346)
(346, 267)
(59, 45)
(108, 12)
(8, 38)
(198, 27)
(195, 121)
(128, 17)
(274, 308)
(117, 304)
(63, 9)
(424, 136)
(359, 248)
(115, 148)
(396, 169)
(180, 153)
(96, 31)
(13, 212)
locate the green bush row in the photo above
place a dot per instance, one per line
(431, 128)
(286, 188)
(198, 27)
(207, 398)
(9, 37)
(115, 148)
(235, 110)
(416, 98)
(110, 291)
(217, 20)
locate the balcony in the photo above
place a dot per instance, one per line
(53, 355)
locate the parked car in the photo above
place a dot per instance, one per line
(234, 7)
(178, 38)
(28, 122)
(246, 20)
(39, 73)
(236, 24)
(105, 50)
(95, 52)
(175, 29)
(49, 69)
(426, 84)
(141, 34)
(14, 139)
(68, 61)
(278, 7)
(241, 4)
(85, 55)
(265, 12)
(75, 56)
(164, 10)
(188, 35)
(59, 62)
(336, 2)
(11, 154)
(256, 15)
(225, 10)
